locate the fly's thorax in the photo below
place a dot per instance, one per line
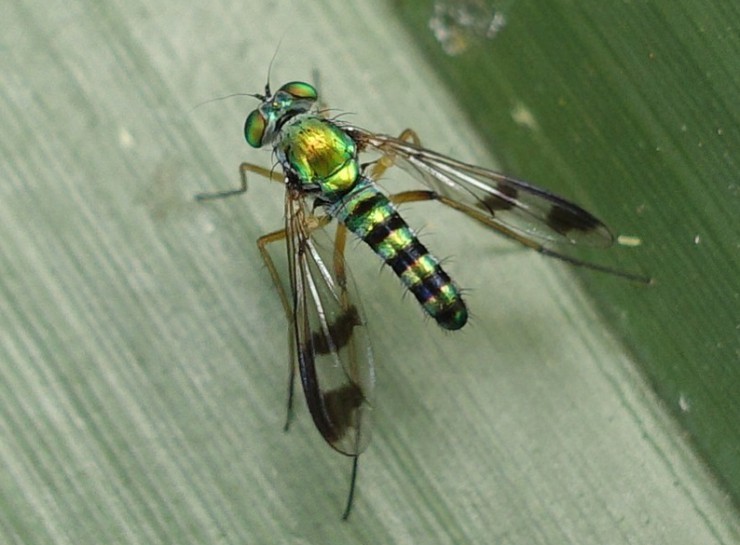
(319, 154)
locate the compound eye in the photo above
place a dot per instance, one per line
(254, 129)
(300, 90)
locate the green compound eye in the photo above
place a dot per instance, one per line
(254, 129)
(300, 90)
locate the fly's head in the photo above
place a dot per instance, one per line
(263, 124)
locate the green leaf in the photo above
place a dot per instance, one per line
(144, 349)
(632, 108)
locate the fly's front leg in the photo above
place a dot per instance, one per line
(243, 169)
(389, 158)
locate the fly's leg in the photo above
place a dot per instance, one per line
(262, 242)
(340, 273)
(352, 481)
(388, 158)
(428, 195)
(243, 169)
(421, 195)
(350, 313)
(340, 243)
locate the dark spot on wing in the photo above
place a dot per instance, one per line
(340, 405)
(340, 331)
(504, 202)
(562, 220)
(335, 411)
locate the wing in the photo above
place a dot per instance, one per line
(517, 206)
(329, 337)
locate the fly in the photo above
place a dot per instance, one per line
(324, 181)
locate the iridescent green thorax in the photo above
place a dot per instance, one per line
(320, 154)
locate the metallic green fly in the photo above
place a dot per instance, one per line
(319, 157)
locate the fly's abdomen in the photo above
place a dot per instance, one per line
(371, 216)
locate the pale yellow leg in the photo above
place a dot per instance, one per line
(388, 159)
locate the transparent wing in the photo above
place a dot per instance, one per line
(518, 206)
(330, 341)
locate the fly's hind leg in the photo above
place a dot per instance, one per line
(243, 169)
(428, 195)
(351, 319)
(388, 159)
(351, 315)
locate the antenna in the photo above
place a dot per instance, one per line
(272, 60)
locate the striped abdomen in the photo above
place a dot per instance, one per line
(371, 216)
